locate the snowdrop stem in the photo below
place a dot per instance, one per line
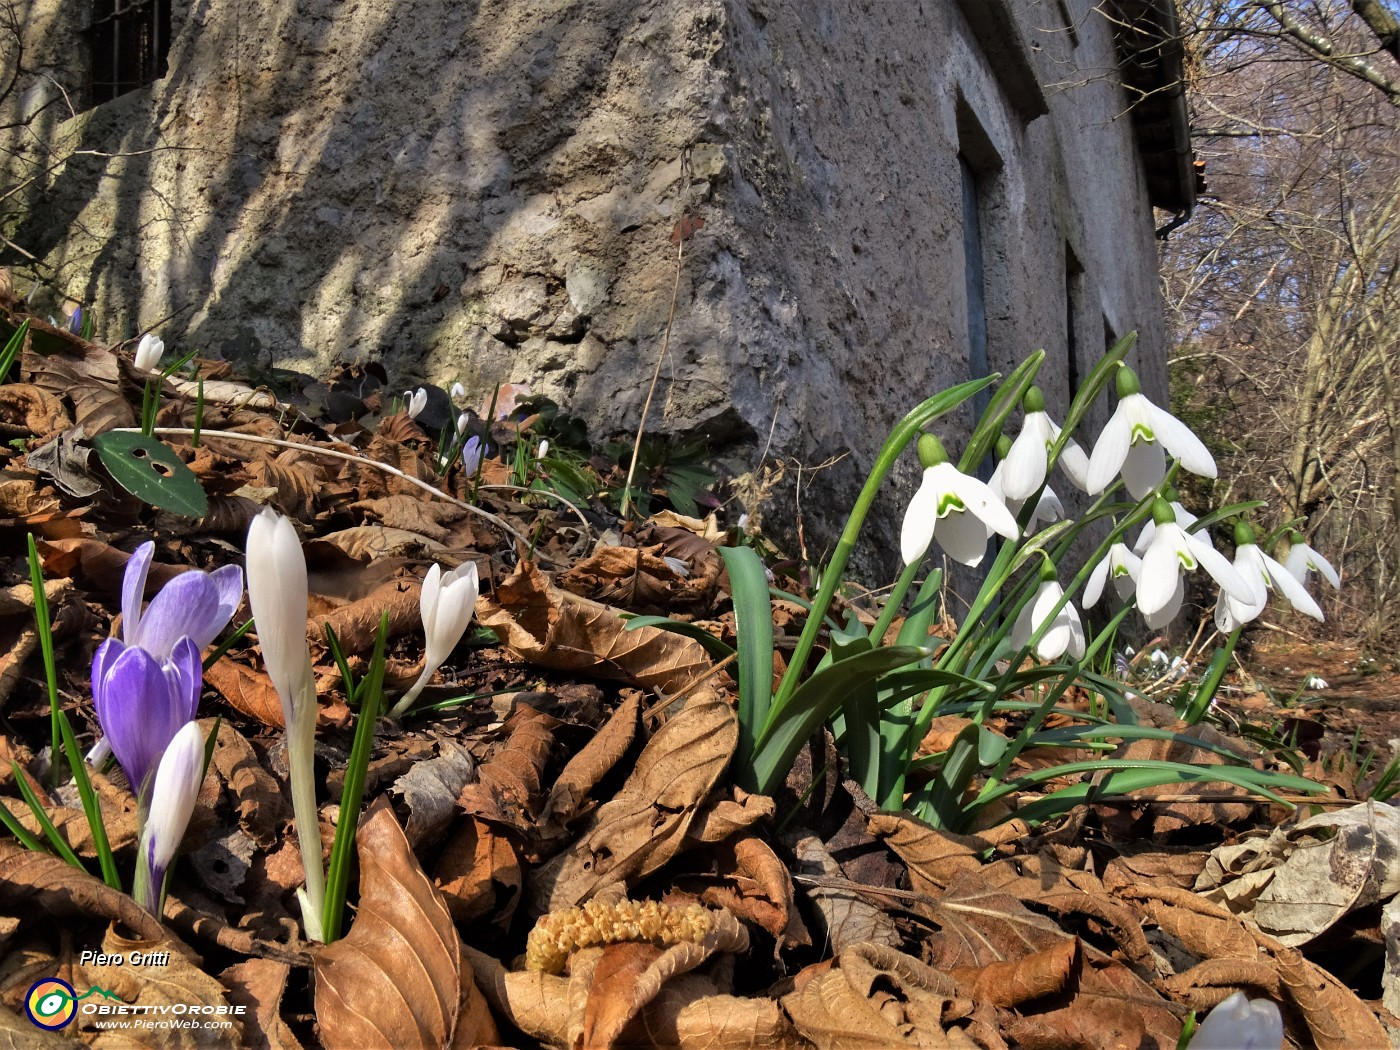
(905, 431)
(301, 758)
(893, 602)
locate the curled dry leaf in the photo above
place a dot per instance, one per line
(1171, 813)
(395, 979)
(935, 858)
(19, 1033)
(430, 789)
(1032, 976)
(846, 915)
(1302, 879)
(507, 788)
(645, 824)
(640, 579)
(593, 762)
(370, 542)
(426, 517)
(756, 886)
(536, 622)
(257, 799)
(257, 985)
(31, 882)
(26, 411)
(357, 624)
(876, 998)
(172, 978)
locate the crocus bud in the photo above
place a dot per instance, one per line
(471, 455)
(1238, 1024)
(142, 702)
(148, 352)
(417, 401)
(277, 594)
(543, 451)
(177, 782)
(447, 603)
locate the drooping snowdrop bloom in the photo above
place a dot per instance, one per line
(278, 595)
(194, 604)
(1263, 574)
(1238, 1024)
(1065, 633)
(1119, 565)
(446, 603)
(1173, 551)
(1184, 518)
(148, 352)
(458, 390)
(1302, 559)
(1047, 507)
(415, 401)
(962, 511)
(1026, 465)
(142, 701)
(1136, 440)
(176, 788)
(1312, 681)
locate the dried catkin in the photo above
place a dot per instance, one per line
(560, 933)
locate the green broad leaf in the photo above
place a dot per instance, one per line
(151, 472)
(794, 720)
(712, 645)
(753, 629)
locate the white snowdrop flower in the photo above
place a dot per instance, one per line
(1119, 565)
(1302, 559)
(1047, 508)
(1314, 682)
(1263, 574)
(148, 352)
(1065, 633)
(458, 390)
(963, 511)
(1238, 1024)
(417, 400)
(1136, 440)
(1174, 551)
(542, 451)
(1025, 466)
(1184, 518)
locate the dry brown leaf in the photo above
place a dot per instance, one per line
(1171, 814)
(371, 542)
(645, 824)
(638, 579)
(1083, 1025)
(538, 624)
(426, 517)
(475, 1025)
(723, 818)
(89, 379)
(479, 874)
(618, 993)
(430, 789)
(935, 858)
(846, 915)
(757, 888)
(258, 984)
(175, 978)
(1155, 865)
(19, 1033)
(543, 1006)
(357, 624)
(1032, 976)
(877, 998)
(593, 762)
(246, 690)
(395, 979)
(507, 788)
(27, 411)
(686, 1015)
(257, 798)
(31, 881)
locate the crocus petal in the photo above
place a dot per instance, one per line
(454, 605)
(140, 719)
(963, 537)
(1110, 451)
(1238, 1024)
(134, 589)
(173, 796)
(916, 533)
(1178, 439)
(277, 595)
(148, 352)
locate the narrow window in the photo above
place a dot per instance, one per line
(129, 42)
(1074, 304)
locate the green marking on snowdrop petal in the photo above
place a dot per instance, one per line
(1187, 562)
(1142, 433)
(949, 502)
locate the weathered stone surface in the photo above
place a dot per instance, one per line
(485, 192)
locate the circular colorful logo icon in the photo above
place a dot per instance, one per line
(51, 1003)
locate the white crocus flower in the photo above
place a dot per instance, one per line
(1025, 466)
(963, 511)
(1065, 633)
(148, 352)
(1136, 440)
(1263, 574)
(1173, 550)
(1238, 1024)
(416, 400)
(446, 602)
(542, 451)
(277, 594)
(177, 781)
(1302, 559)
(1119, 565)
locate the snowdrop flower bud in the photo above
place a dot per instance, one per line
(1302, 559)
(447, 603)
(177, 782)
(1136, 440)
(417, 400)
(1065, 633)
(277, 594)
(1238, 1024)
(963, 511)
(148, 352)
(1173, 550)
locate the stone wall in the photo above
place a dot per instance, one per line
(485, 192)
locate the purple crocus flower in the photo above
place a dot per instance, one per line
(194, 604)
(142, 701)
